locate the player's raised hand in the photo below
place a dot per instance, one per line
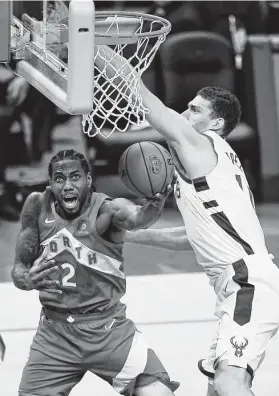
(161, 197)
(17, 91)
(37, 277)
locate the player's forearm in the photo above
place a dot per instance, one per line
(146, 215)
(20, 276)
(116, 66)
(173, 238)
(118, 69)
(26, 252)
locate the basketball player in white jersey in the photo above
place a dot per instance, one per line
(223, 229)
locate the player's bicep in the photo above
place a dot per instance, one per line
(27, 245)
(196, 160)
(166, 121)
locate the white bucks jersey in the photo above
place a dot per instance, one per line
(218, 211)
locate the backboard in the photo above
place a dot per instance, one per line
(56, 59)
(5, 30)
(57, 45)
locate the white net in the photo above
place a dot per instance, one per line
(133, 37)
(118, 105)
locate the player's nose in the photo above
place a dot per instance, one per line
(68, 186)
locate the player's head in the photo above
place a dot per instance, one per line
(214, 109)
(70, 180)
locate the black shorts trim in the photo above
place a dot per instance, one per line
(244, 296)
(211, 375)
(203, 371)
(143, 380)
(250, 371)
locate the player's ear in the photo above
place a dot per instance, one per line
(218, 124)
(89, 179)
(49, 182)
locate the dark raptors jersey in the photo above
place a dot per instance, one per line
(90, 268)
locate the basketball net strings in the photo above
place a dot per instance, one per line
(121, 105)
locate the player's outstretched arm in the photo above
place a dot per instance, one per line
(129, 216)
(173, 238)
(166, 121)
(29, 271)
(188, 144)
(27, 246)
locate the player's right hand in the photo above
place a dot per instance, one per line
(38, 275)
(168, 190)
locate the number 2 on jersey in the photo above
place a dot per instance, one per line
(69, 275)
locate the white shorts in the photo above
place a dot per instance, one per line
(248, 311)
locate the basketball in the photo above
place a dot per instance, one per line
(146, 168)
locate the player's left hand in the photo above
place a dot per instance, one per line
(2, 348)
(163, 195)
(17, 91)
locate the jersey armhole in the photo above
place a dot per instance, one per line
(45, 203)
(211, 139)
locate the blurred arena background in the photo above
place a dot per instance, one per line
(234, 44)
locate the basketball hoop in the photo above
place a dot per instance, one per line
(136, 37)
(57, 56)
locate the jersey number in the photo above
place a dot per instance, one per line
(177, 190)
(67, 277)
(239, 181)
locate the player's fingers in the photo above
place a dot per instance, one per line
(164, 194)
(10, 98)
(42, 257)
(54, 291)
(157, 197)
(174, 179)
(168, 189)
(42, 266)
(43, 274)
(20, 98)
(44, 254)
(49, 285)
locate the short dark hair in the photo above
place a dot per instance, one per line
(68, 155)
(225, 105)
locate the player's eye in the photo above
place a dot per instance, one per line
(193, 109)
(76, 177)
(58, 179)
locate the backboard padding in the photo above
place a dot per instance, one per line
(5, 30)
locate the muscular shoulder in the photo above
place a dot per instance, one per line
(34, 201)
(32, 208)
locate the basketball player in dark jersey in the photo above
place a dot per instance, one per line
(70, 249)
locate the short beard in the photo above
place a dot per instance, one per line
(84, 199)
